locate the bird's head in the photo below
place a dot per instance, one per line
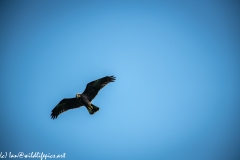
(78, 95)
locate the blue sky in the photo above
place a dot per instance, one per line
(177, 90)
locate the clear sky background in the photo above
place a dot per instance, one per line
(177, 92)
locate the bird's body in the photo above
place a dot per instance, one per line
(83, 99)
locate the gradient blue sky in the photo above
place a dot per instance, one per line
(177, 93)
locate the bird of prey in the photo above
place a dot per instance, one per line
(83, 99)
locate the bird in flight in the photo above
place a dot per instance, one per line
(83, 99)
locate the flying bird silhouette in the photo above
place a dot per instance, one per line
(83, 99)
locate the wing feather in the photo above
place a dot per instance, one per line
(64, 105)
(94, 87)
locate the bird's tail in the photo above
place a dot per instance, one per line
(93, 109)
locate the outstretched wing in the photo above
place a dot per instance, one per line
(94, 87)
(64, 105)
